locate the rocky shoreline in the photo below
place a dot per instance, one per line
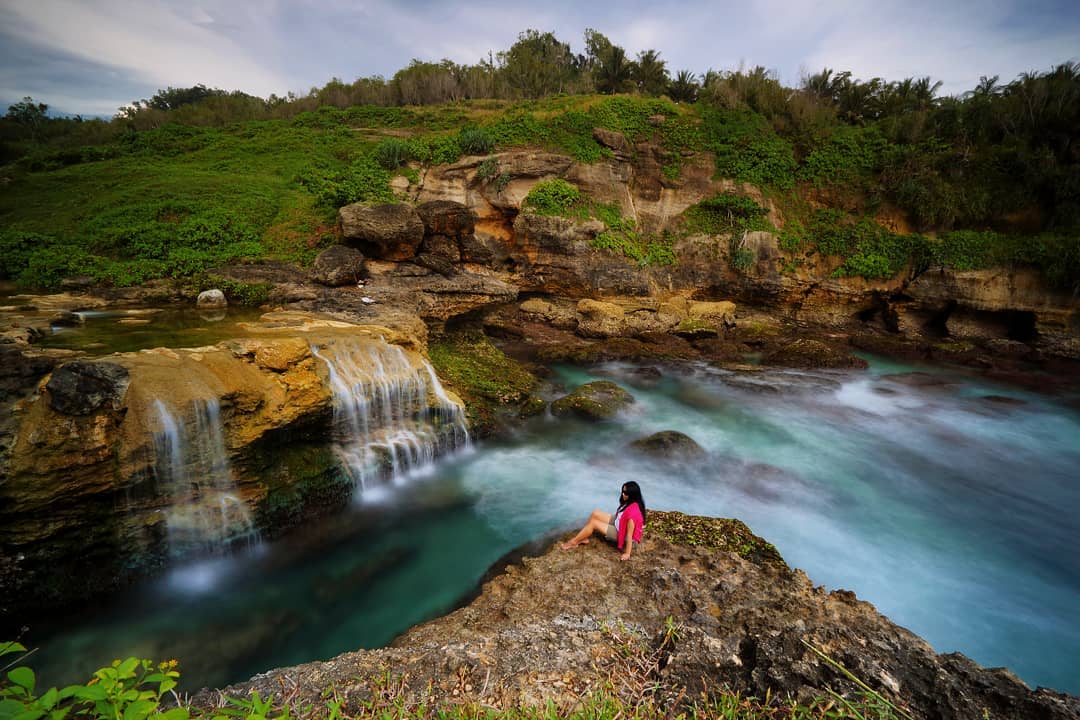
(702, 606)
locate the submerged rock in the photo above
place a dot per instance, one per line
(670, 445)
(599, 400)
(806, 353)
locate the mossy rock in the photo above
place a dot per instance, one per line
(599, 400)
(490, 383)
(669, 445)
(718, 533)
(643, 349)
(806, 353)
(532, 407)
(696, 329)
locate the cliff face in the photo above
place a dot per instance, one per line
(552, 256)
(674, 622)
(118, 462)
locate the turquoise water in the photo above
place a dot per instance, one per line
(949, 504)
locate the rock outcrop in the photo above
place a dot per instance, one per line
(703, 606)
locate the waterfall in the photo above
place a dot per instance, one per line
(391, 417)
(204, 512)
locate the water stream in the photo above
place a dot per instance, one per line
(950, 504)
(204, 513)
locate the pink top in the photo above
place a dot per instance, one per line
(632, 512)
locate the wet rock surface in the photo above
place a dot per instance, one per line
(553, 628)
(81, 388)
(599, 400)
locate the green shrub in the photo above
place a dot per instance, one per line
(435, 149)
(475, 141)
(850, 154)
(488, 169)
(131, 689)
(793, 238)
(741, 257)
(869, 250)
(364, 180)
(16, 249)
(747, 148)
(552, 197)
(392, 154)
(47, 266)
(725, 213)
(966, 249)
(215, 228)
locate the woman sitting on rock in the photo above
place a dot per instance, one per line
(622, 528)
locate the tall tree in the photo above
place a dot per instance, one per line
(615, 73)
(538, 64)
(29, 115)
(684, 87)
(650, 73)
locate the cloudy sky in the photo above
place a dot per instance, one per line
(93, 56)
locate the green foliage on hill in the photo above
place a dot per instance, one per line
(195, 177)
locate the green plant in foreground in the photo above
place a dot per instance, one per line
(130, 689)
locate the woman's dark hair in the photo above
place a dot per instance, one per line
(633, 495)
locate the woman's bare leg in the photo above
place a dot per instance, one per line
(598, 522)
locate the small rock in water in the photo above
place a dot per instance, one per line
(367, 300)
(211, 299)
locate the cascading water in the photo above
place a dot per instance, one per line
(391, 418)
(204, 513)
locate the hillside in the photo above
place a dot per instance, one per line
(177, 200)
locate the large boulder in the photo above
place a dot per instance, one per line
(338, 265)
(703, 605)
(599, 400)
(392, 231)
(80, 387)
(446, 217)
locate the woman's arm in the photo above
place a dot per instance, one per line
(629, 539)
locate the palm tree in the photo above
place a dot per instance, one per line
(615, 73)
(650, 73)
(683, 88)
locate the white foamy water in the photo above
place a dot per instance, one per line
(191, 464)
(392, 419)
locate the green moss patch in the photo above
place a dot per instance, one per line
(716, 533)
(486, 379)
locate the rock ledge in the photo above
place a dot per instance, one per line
(555, 627)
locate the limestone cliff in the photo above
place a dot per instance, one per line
(501, 249)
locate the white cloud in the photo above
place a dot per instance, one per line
(151, 39)
(272, 46)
